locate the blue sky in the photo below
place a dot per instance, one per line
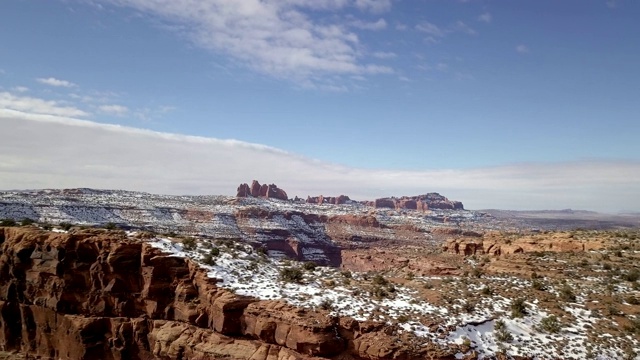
(367, 84)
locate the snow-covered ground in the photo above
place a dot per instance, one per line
(240, 268)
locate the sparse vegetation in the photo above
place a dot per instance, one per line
(518, 308)
(291, 274)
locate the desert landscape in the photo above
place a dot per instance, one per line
(130, 275)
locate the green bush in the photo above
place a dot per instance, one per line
(501, 332)
(550, 324)
(379, 280)
(26, 221)
(566, 294)
(291, 274)
(538, 285)
(8, 222)
(518, 308)
(632, 275)
(309, 265)
(189, 244)
(110, 226)
(66, 226)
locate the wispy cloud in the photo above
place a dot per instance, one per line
(611, 4)
(522, 49)
(376, 25)
(10, 101)
(55, 82)
(20, 89)
(277, 38)
(177, 164)
(485, 17)
(116, 110)
(436, 33)
(384, 55)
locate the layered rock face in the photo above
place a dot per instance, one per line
(263, 191)
(102, 295)
(495, 244)
(338, 200)
(419, 202)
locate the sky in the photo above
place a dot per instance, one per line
(498, 104)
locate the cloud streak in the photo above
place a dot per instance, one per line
(48, 151)
(279, 38)
(38, 106)
(55, 82)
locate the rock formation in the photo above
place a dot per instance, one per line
(497, 244)
(419, 202)
(339, 200)
(264, 191)
(92, 294)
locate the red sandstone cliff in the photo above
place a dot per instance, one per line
(101, 295)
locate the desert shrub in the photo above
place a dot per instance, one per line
(538, 285)
(469, 307)
(606, 266)
(633, 327)
(379, 280)
(110, 226)
(66, 226)
(476, 272)
(209, 260)
(550, 324)
(486, 291)
(410, 276)
(214, 251)
(346, 274)
(189, 244)
(26, 221)
(291, 274)
(309, 265)
(428, 285)
(403, 318)
(8, 222)
(47, 226)
(632, 300)
(632, 275)
(326, 304)
(378, 292)
(566, 294)
(501, 332)
(518, 308)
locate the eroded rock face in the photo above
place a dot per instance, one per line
(419, 202)
(496, 244)
(93, 294)
(264, 191)
(339, 200)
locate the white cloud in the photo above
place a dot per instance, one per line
(38, 106)
(436, 32)
(611, 4)
(522, 49)
(485, 17)
(20, 89)
(384, 55)
(431, 29)
(401, 27)
(374, 5)
(56, 152)
(274, 37)
(377, 25)
(55, 82)
(116, 110)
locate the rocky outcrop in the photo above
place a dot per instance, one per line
(93, 294)
(419, 202)
(339, 200)
(497, 244)
(263, 191)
